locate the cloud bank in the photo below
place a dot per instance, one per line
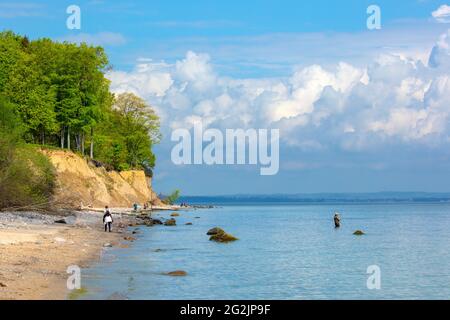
(394, 100)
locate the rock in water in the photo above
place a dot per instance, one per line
(219, 235)
(223, 237)
(170, 222)
(214, 231)
(117, 296)
(189, 223)
(358, 233)
(151, 222)
(177, 273)
(175, 214)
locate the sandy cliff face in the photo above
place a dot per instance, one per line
(80, 182)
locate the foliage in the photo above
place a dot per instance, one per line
(26, 175)
(172, 198)
(62, 98)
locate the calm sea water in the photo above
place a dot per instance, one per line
(285, 252)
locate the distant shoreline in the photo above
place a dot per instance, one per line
(317, 198)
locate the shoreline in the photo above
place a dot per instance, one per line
(36, 251)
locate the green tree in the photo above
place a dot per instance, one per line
(140, 127)
(174, 196)
(10, 54)
(26, 175)
(62, 97)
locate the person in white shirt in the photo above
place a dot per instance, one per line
(107, 219)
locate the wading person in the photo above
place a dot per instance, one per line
(337, 220)
(107, 219)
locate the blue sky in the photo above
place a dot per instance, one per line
(358, 110)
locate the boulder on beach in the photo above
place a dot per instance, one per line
(170, 222)
(129, 238)
(358, 233)
(61, 221)
(219, 235)
(177, 273)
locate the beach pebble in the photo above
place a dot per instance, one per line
(60, 240)
(107, 245)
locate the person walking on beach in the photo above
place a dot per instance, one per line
(107, 219)
(337, 220)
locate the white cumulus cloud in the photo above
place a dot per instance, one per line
(442, 14)
(393, 100)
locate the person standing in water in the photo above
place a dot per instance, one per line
(337, 220)
(107, 219)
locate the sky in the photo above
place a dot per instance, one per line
(358, 110)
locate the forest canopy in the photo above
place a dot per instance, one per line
(60, 96)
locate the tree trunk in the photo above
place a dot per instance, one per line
(42, 137)
(91, 153)
(62, 137)
(82, 143)
(77, 141)
(68, 138)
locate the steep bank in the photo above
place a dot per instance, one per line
(79, 182)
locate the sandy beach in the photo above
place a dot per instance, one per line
(35, 251)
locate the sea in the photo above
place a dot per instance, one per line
(286, 250)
